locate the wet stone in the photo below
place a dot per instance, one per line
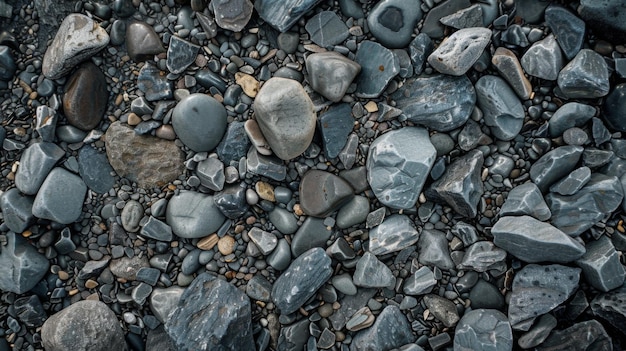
(29, 311)
(234, 144)
(283, 220)
(458, 53)
(60, 197)
(614, 108)
(486, 295)
(86, 97)
(142, 42)
(259, 288)
(208, 79)
(95, 170)
(281, 256)
(526, 199)
(193, 215)
(312, 233)
(538, 332)
(232, 15)
(322, 192)
(148, 275)
(294, 337)
(163, 301)
(199, 121)
(154, 83)
(419, 283)
(267, 166)
(157, 230)
(419, 49)
(568, 29)
(353, 212)
(47, 119)
(608, 18)
(572, 114)
(394, 234)
(391, 330)
(392, 21)
(573, 182)
(554, 165)
(378, 67)
(511, 70)
(433, 249)
(211, 173)
(483, 329)
(580, 336)
(586, 76)
(543, 59)
(601, 265)
(483, 256)
(127, 267)
(7, 64)
(321, 66)
(23, 266)
(283, 14)
(502, 109)
(326, 29)
(372, 273)
(432, 25)
(443, 309)
(464, 18)
(266, 242)
(35, 164)
(180, 54)
(335, 125)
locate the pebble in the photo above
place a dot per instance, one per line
(312, 233)
(421, 282)
(526, 199)
(232, 15)
(543, 59)
(391, 330)
(433, 249)
(379, 66)
(443, 309)
(199, 122)
(419, 49)
(571, 114)
(395, 233)
(586, 76)
(95, 170)
(343, 283)
(23, 265)
(283, 15)
(502, 109)
(614, 107)
(580, 335)
(511, 70)
(193, 215)
(568, 29)
(324, 65)
(60, 197)
(281, 256)
(458, 52)
(486, 295)
(180, 54)
(335, 125)
(36, 163)
(154, 83)
(283, 220)
(322, 192)
(353, 212)
(17, 210)
(483, 329)
(372, 273)
(86, 97)
(392, 22)
(259, 288)
(432, 25)
(267, 166)
(554, 165)
(326, 29)
(483, 256)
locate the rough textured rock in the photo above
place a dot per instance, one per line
(180, 54)
(588, 335)
(331, 73)
(586, 76)
(568, 29)
(86, 97)
(22, 266)
(483, 256)
(394, 234)
(457, 53)
(443, 309)
(610, 307)
(95, 170)
(391, 330)
(502, 109)
(526, 199)
(392, 21)
(326, 29)
(322, 192)
(433, 249)
(193, 215)
(378, 67)
(483, 329)
(60, 197)
(335, 125)
(601, 265)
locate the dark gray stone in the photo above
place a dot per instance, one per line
(283, 14)
(586, 76)
(608, 18)
(7, 64)
(394, 234)
(158, 339)
(588, 335)
(234, 144)
(265, 241)
(391, 330)
(610, 307)
(483, 329)
(335, 125)
(211, 173)
(419, 283)
(510, 68)
(554, 165)
(538, 332)
(372, 273)
(502, 109)
(232, 15)
(35, 164)
(142, 42)
(614, 108)
(17, 210)
(148, 275)
(349, 305)
(312, 233)
(432, 25)
(61, 197)
(23, 266)
(572, 182)
(266, 166)
(486, 295)
(199, 122)
(326, 29)
(419, 49)
(543, 59)
(193, 215)
(443, 309)
(433, 249)
(259, 288)
(95, 170)
(465, 18)
(572, 114)
(568, 29)
(294, 337)
(163, 302)
(526, 199)
(378, 67)
(392, 22)
(458, 52)
(483, 256)
(157, 230)
(324, 65)
(231, 201)
(353, 212)
(28, 310)
(154, 83)
(601, 265)
(180, 54)
(281, 256)
(322, 192)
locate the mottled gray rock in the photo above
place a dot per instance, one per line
(572, 114)
(265, 241)
(294, 337)
(471, 136)
(419, 50)
(326, 29)
(433, 249)
(35, 164)
(331, 73)
(199, 122)
(307, 274)
(454, 96)
(335, 125)
(458, 52)
(353, 212)
(142, 42)
(267, 166)
(322, 192)
(601, 265)
(234, 144)
(180, 54)
(483, 256)
(211, 315)
(460, 186)
(283, 14)
(538, 332)
(419, 283)
(22, 266)
(554, 165)
(502, 109)
(614, 108)
(443, 309)
(193, 215)
(378, 67)
(60, 197)
(586, 76)
(392, 22)
(163, 302)
(588, 335)
(259, 288)
(350, 304)
(211, 173)
(464, 18)
(391, 330)
(608, 18)
(533, 241)
(395, 233)
(483, 329)
(543, 59)
(157, 230)
(526, 199)
(29, 310)
(154, 83)
(17, 210)
(572, 182)
(568, 29)
(232, 15)
(372, 273)
(398, 164)
(95, 170)
(510, 69)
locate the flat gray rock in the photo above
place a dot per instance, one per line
(392, 22)
(193, 215)
(266, 166)
(483, 256)
(458, 52)
(259, 288)
(95, 170)
(587, 335)
(586, 76)
(326, 29)
(312, 233)
(378, 67)
(395, 233)
(526, 199)
(157, 230)
(335, 125)
(540, 330)
(419, 283)
(443, 309)
(234, 144)
(180, 54)
(17, 210)
(372, 273)
(199, 122)
(483, 329)
(568, 28)
(543, 59)
(419, 50)
(391, 330)
(554, 165)
(502, 109)
(22, 265)
(265, 241)
(232, 15)
(35, 164)
(573, 182)
(464, 18)
(283, 14)
(211, 173)
(572, 114)
(322, 192)
(433, 249)
(61, 197)
(324, 65)
(349, 306)
(601, 265)
(610, 307)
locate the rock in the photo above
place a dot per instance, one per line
(294, 337)
(46, 122)
(131, 216)
(538, 332)
(193, 215)
(199, 121)
(394, 234)
(266, 166)
(464, 18)
(23, 266)
(211, 173)
(533, 241)
(256, 138)
(349, 306)
(455, 97)
(539, 289)
(312, 233)
(266, 242)
(607, 306)
(93, 269)
(460, 186)
(127, 267)
(608, 18)
(234, 144)
(95, 170)
(154, 83)
(398, 164)
(572, 114)
(335, 125)
(432, 25)
(586, 76)
(211, 314)
(458, 53)
(17, 210)
(7, 64)
(281, 256)
(283, 14)
(181, 54)
(158, 339)
(146, 160)
(378, 67)
(614, 108)
(283, 220)
(554, 165)
(326, 29)
(322, 192)
(60, 197)
(84, 325)
(157, 230)
(483, 256)
(35, 164)
(308, 272)
(142, 42)
(483, 329)
(163, 302)
(78, 38)
(543, 59)
(419, 283)
(344, 284)
(501, 107)
(353, 212)
(601, 265)
(372, 273)
(471, 136)
(568, 29)
(232, 201)
(362, 319)
(248, 83)
(420, 48)
(391, 330)
(588, 335)
(572, 182)
(433, 249)
(208, 79)
(511, 70)
(232, 15)
(29, 311)
(486, 295)
(331, 73)
(286, 117)
(259, 288)
(443, 309)
(526, 199)
(392, 22)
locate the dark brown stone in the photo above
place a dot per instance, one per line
(86, 97)
(142, 42)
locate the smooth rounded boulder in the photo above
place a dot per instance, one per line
(200, 122)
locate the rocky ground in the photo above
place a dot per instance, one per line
(311, 175)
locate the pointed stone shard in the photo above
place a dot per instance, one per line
(526, 199)
(372, 273)
(601, 265)
(393, 234)
(22, 266)
(180, 54)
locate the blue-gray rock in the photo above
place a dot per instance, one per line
(502, 109)
(140, 293)
(158, 339)
(349, 305)
(572, 182)
(533, 241)
(538, 289)
(17, 210)
(511, 70)
(282, 14)
(610, 307)
(353, 212)
(433, 249)
(378, 67)
(294, 337)
(199, 122)
(265, 241)
(7, 64)
(526, 199)
(180, 54)
(60, 197)
(608, 18)
(568, 29)
(483, 256)
(432, 25)
(538, 332)
(118, 32)
(154, 83)
(395, 233)
(572, 114)
(421, 282)
(587, 335)
(392, 22)
(398, 164)
(486, 295)
(193, 215)
(460, 186)
(259, 288)
(157, 230)
(465, 18)
(391, 330)
(324, 65)
(335, 125)
(211, 173)
(65, 245)
(84, 325)
(95, 170)
(211, 315)
(419, 49)
(594, 158)
(515, 35)
(322, 192)
(483, 329)
(281, 256)
(163, 302)
(614, 108)
(586, 76)
(554, 165)
(351, 8)
(148, 275)
(142, 42)
(3, 134)
(266, 166)
(22, 266)
(285, 221)
(232, 15)
(576, 213)
(191, 262)
(131, 215)
(443, 309)
(543, 59)
(234, 144)
(308, 272)
(458, 52)
(601, 265)
(35, 164)
(232, 201)
(372, 273)
(312, 233)
(326, 29)
(29, 311)
(455, 97)
(93, 269)
(344, 284)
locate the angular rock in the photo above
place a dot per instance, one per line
(312, 233)
(17, 210)
(22, 265)
(538, 332)
(181, 53)
(572, 182)
(464, 18)
(510, 69)
(349, 306)
(35, 164)
(378, 67)
(335, 125)
(211, 173)
(154, 83)
(331, 73)
(458, 53)
(232, 201)
(443, 309)
(232, 15)
(601, 265)
(608, 18)
(326, 29)
(419, 49)
(483, 256)
(193, 215)
(259, 288)
(128, 267)
(29, 311)
(95, 170)
(362, 319)
(391, 330)
(266, 242)
(614, 108)
(60, 197)
(163, 302)
(47, 119)
(586, 76)
(158, 339)
(234, 144)
(7, 64)
(266, 166)
(526, 199)
(372, 273)
(588, 335)
(294, 337)
(432, 25)
(142, 42)
(554, 165)
(419, 283)
(483, 329)
(199, 122)
(568, 29)
(392, 22)
(86, 97)
(322, 192)
(283, 14)
(433, 249)
(502, 109)
(543, 59)
(572, 114)
(394, 234)
(157, 230)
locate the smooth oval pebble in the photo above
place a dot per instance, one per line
(199, 122)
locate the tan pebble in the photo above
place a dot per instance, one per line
(239, 228)
(620, 226)
(218, 97)
(19, 131)
(208, 242)
(166, 132)
(171, 187)
(248, 83)
(11, 176)
(93, 297)
(73, 292)
(230, 275)
(371, 107)
(250, 220)
(201, 61)
(27, 233)
(265, 191)
(33, 95)
(260, 304)
(90, 284)
(297, 210)
(63, 275)
(133, 119)
(226, 245)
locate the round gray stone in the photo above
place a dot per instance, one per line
(193, 215)
(199, 121)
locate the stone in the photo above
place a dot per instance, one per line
(84, 325)
(572, 182)
(29, 311)
(46, 122)
(212, 314)
(157, 230)
(282, 15)
(614, 107)
(286, 117)
(312, 233)
(483, 256)
(259, 288)
(586, 76)
(154, 83)
(7, 64)
(146, 160)
(460, 186)
(432, 25)
(193, 215)
(335, 125)
(234, 144)
(232, 15)
(330, 74)
(131, 216)
(433, 249)
(256, 138)
(392, 22)
(248, 83)
(379, 66)
(208, 79)
(127, 267)
(35, 164)
(533, 241)
(142, 42)
(163, 302)
(322, 192)
(60, 197)
(568, 29)
(281, 256)
(601, 265)
(526, 199)
(398, 164)
(180, 54)
(571, 114)
(344, 284)
(199, 122)
(95, 170)
(538, 289)
(502, 109)
(294, 337)
(464, 18)
(211, 173)
(483, 329)
(455, 97)
(511, 70)
(585, 335)
(307, 274)
(421, 282)
(283, 220)
(158, 339)
(419, 49)
(326, 29)
(390, 331)
(543, 59)
(608, 18)
(486, 295)
(16, 210)
(266, 166)
(538, 332)
(266, 242)
(78, 38)
(353, 212)
(458, 52)
(554, 165)
(23, 266)
(443, 309)
(372, 273)
(394, 234)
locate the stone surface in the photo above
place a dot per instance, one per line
(419, 50)
(608, 18)
(142, 42)
(572, 182)
(193, 215)
(433, 249)
(391, 330)
(154, 83)
(538, 332)
(511, 70)
(331, 73)
(232, 15)
(502, 109)
(554, 165)
(267, 166)
(392, 22)
(335, 125)
(588, 335)
(234, 144)
(610, 308)
(601, 265)
(23, 266)
(60, 197)
(586, 76)
(572, 114)
(163, 302)
(464, 18)
(283, 14)
(543, 59)
(483, 256)
(483, 329)
(199, 122)
(394, 234)
(443, 309)
(86, 97)
(181, 54)
(322, 192)
(211, 173)
(95, 170)
(265, 241)
(432, 25)
(568, 29)
(157, 230)
(526, 199)
(312, 233)
(614, 108)
(17, 210)
(419, 283)
(378, 67)
(326, 29)
(36, 163)
(458, 52)
(372, 273)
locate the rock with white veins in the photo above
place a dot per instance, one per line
(585, 77)
(390, 331)
(526, 199)
(502, 109)
(372, 273)
(483, 256)
(483, 329)
(331, 73)
(601, 265)
(543, 59)
(419, 283)
(458, 53)
(36, 162)
(394, 234)
(554, 165)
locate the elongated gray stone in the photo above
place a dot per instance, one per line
(502, 109)
(157, 230)
(22, 266)
(395, 233)
(465, 18)
(572, 114)
(458, 53)
(587, 335)
(554, 165)
(526, 199)
(61, 197)
(543, 59)
(572, 182)
(326, 29)
(95, 170)
(312, 233)
(533, 241)
(17, 210)
(510, 68)
(586, 76)
(390, 331)
(483, 329)
(193, 215)
(322, 192)
(335, 125)
(538, 332)
(282, 14)
(267, 166)
(601, 265)
(392, 22)
(378, 67)
(353, 212)
(568, 29)
(35, 164)
(372, 273)
(331, 73)
(483, 256)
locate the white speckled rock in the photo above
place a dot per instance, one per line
(457, 53)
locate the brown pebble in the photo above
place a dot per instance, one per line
(63, 275)
(133, 119)
(90, 284)
(239, 228)
(230, 275)
(226, 245)
(250, 220)
(265, 191)
(166, 132)
(208, 242)
(298, 210)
